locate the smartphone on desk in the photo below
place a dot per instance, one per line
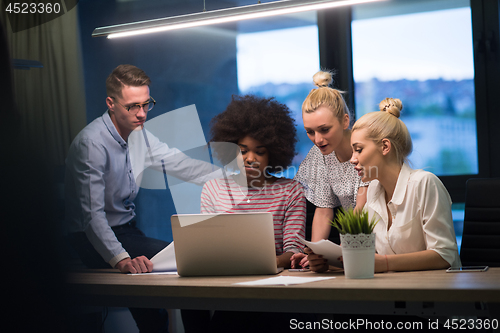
(298, 269)
(467, 269)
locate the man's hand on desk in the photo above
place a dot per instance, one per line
(137, 265)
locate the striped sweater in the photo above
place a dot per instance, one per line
(284, 199)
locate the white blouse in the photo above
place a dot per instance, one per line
(421, 216)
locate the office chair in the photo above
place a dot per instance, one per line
(481, 234)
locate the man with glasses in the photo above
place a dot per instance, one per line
(104, 161)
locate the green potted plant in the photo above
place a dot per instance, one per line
(358, 242)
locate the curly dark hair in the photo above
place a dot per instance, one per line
(264, 120)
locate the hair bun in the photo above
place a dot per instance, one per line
(392, 106)
(322, 79)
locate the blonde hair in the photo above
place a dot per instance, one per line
(326, 96)
(385, 124)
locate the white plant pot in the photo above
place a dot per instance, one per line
(358, 255)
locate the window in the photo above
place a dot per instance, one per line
(279, 62)
(422, 53)
(424, 58)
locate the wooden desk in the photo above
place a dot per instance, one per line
(425, 293)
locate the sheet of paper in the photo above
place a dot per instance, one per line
(283, 281)
(164, 261)
(328, 249)
(156, 273)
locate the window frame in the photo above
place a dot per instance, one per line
(334, 29)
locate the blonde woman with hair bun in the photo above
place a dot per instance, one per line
(329, 179)
(413, 208)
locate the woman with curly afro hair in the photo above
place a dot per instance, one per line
(263, 119)
(265, 134)
(262, 135)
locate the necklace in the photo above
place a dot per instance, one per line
(246, 195)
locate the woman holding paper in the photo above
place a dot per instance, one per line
(413, 208)
(329, 180)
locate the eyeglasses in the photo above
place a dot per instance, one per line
(134, 109)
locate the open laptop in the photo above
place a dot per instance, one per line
(224, 244)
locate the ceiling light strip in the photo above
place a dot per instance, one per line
(220, 16)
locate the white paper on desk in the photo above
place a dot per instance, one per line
(164, 261)
(283, 281)
(155, 273)
(329, 250)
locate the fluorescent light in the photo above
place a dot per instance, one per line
(220, 16)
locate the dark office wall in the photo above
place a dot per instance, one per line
(196, 66)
